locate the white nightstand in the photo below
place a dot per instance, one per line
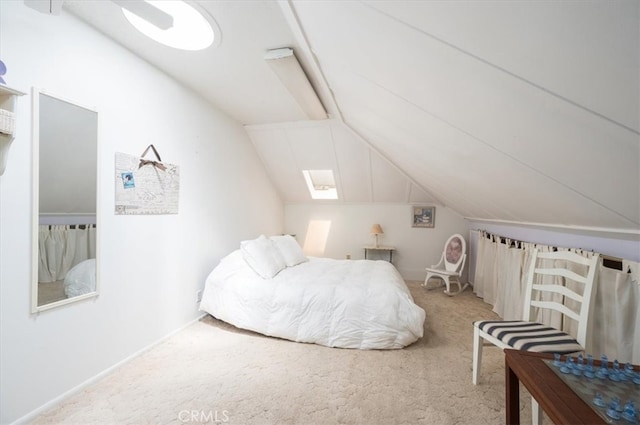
(388, 249)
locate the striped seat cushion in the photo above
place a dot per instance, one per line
(530, 336)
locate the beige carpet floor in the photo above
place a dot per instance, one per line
(49, 292)
(211, 372)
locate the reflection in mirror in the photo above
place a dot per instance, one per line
(65, 151)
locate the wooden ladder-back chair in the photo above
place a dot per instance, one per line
(546, 289)
(451, 264)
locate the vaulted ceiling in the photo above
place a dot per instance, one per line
(521, 111)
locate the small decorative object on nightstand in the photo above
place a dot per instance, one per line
(375, 231)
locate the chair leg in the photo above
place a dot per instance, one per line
(536, 412)
(461, 287)
(477, 354)
(447, 284)
(429, 276)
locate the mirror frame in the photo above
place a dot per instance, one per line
(35, 202)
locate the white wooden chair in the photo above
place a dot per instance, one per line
(547, 275)
(451, 264)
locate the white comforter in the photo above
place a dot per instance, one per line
(81, 279)
(338, 303)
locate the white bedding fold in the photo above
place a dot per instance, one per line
(338, 303)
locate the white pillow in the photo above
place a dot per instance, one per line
(262, 256)
(289, 249)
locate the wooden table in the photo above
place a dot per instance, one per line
(555, 397)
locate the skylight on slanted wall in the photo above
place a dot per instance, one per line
(321, 184)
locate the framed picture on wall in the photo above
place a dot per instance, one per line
(423, 217)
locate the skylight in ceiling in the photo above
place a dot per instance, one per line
(321, 184)
(191, 30)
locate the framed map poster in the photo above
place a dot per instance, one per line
(145, 187)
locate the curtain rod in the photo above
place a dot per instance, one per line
(72, 226)
(608, 261)
(635, 233)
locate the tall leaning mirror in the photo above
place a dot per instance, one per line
(65, 222)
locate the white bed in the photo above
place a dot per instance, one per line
(81, 279)
(338, 303)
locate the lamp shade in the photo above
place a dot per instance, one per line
(376, 229)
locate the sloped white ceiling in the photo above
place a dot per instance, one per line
(522, 111)
(361, 174)
(233, 75)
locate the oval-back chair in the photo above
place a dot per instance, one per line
(451, 264)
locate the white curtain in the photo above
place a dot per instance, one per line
(500, 279)
(500, 276)
(478, 273)
(512, 284)
(616, 329)
(486, 278)
(507, 290)
(61, 247)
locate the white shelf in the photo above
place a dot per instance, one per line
(4, 90)
(7, 121)
(8, 103)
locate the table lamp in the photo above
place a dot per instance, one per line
(376, 230)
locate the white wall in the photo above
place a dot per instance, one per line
(417, 248)
(151, 265)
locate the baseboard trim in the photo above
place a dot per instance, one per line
(59, 399)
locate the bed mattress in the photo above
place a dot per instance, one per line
(360, 304)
